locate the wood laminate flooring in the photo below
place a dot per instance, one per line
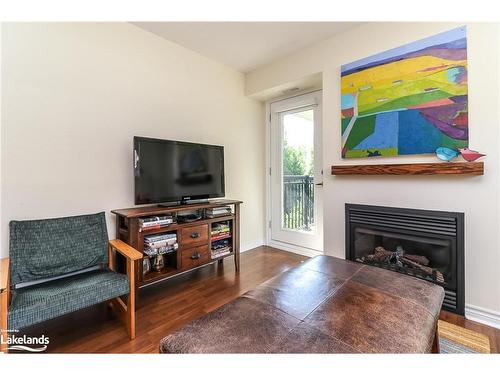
(169, 304)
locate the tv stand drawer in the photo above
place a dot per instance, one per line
(194, 257)
(194, 235)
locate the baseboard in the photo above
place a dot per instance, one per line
(478, 314)
(251, 245)
(293, 249)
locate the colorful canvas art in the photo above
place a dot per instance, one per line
(408, 100)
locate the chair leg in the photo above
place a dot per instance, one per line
(126, 313)
(131, 300)
(130, 321)
(126, 310)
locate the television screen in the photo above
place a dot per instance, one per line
(167, 171)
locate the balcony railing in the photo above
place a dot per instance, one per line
(298, 202)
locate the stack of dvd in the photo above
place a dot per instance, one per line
(154, 222)
(221, 248)
(218, 211)
(220, 231)
(220, 235)
(159, 244)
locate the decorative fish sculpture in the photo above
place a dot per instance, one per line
(470, 155)
(446, 154)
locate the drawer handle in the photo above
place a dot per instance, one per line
(195, 235)
(196, 256)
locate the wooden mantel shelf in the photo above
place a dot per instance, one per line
(462, 168)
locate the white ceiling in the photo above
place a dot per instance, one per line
(245, 46)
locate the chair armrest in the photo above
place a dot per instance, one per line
(4, 274)
(126, 250)
(4, 301)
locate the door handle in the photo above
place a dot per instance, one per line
(195, 235)
(319, 184)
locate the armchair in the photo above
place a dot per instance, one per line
(58, 266)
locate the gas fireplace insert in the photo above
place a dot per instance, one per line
(425, 244)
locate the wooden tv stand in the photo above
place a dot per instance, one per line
(194, 238)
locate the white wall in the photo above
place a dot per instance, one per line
(478, 197)
(75, 94)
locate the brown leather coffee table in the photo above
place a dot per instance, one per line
(324, 305)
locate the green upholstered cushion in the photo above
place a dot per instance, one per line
(34, 304)
(42, 249)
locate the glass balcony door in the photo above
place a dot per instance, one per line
(296, 175)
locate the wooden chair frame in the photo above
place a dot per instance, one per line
(125, 309)
(4, 302)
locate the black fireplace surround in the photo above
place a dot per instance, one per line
(421, 243)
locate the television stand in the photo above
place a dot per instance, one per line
(168, 204)
(195, 239)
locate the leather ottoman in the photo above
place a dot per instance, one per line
(324, 305)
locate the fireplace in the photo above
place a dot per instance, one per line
(420, 243)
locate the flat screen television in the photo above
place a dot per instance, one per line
(172, 171)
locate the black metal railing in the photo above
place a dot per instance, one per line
(298, 202)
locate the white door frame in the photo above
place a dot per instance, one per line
(269, 241)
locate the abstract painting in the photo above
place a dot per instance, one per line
(408, 100)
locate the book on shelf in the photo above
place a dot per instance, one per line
(160, 240)
(215, 232)
(150, 251)
(161, 243)
(159, 237)
(158, 244)
(150, 219)
(222, 249)
(217, 253)
(154, 222)
(220, 244)
(151, 227)
(220, 236)
(219, 228)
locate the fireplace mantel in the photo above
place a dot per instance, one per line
(459, 168)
